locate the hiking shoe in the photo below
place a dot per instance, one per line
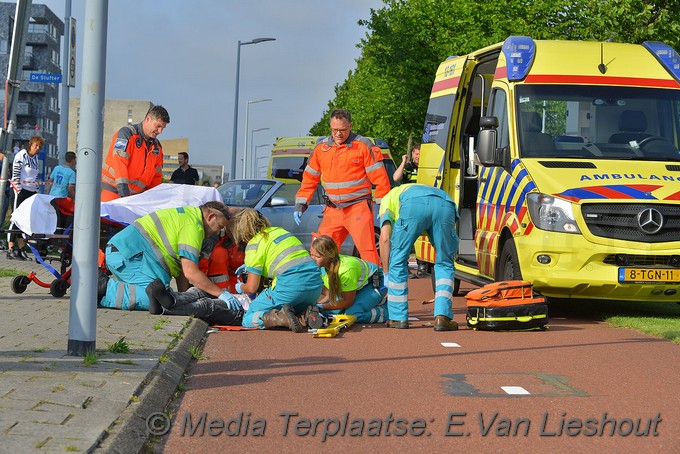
(398, 324)
(443, 323)
(314, 317)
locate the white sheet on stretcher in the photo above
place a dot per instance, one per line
(37, 216)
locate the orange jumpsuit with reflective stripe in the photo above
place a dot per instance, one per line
(220, 266)
(349, 172)
(133, 164)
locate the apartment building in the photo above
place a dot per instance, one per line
(38, 105)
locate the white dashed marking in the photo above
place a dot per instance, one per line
(450, 344)
(413, 319)
(514, 390)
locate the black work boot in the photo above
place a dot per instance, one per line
(313, 318)
(282, 318)
(159, 297)
(102, 282)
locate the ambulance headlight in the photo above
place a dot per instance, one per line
(549, 213)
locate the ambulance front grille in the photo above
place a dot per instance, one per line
(643, 260)
(621, 221)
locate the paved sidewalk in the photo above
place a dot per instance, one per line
(50, 402)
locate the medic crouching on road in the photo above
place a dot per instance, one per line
(350, 165)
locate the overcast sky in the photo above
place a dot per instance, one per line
(182, 54)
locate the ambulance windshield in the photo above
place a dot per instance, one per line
(597, 122)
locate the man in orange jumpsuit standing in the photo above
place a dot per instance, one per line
(134, 162)
(349, 165)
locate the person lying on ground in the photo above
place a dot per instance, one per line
(214, 311)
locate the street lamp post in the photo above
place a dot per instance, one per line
(238, 67)
(245, 145)
(252, 132)
(257, 158)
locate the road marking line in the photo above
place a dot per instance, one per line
(413, 319)
(450, 344)
(514, 390)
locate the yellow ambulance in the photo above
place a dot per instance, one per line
(289, 157)
(562, 158)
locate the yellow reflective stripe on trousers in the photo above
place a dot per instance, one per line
(120, 294)
(448, 282)
(444, 293)
(132, 297)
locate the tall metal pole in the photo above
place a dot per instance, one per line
(63, 110)
(245, 144)
(257, 160)
(253, 158)
(232, 172)
(83, 309)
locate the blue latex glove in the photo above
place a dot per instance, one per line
(240, 270)
(297, 215)
(239, 287)
(230, 300)
(386, 282)
(320, 306)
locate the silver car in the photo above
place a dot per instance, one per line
(276, 201)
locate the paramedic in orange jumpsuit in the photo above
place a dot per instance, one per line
(134, 162)
(349, 165)
(220, 258)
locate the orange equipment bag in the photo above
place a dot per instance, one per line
(506, 306)
(502, 290)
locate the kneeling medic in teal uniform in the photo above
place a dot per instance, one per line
(163, 244)
(352, 286)
(273, 252)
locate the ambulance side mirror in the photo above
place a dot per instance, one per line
(486, 142)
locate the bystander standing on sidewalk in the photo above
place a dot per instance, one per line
(62, 181)
(25, 169)
(184, 174)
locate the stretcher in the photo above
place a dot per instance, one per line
(338, 323)
(46, 222)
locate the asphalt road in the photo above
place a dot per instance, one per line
(580, 386)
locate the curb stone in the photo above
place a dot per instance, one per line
(129, 433)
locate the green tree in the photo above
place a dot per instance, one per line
(406, 40)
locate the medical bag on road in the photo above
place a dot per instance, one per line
(506, 306)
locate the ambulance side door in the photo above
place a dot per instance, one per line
(493, 187)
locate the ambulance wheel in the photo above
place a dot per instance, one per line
(456, 284)
(508, 264)
(20, 283)
(58, 287)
